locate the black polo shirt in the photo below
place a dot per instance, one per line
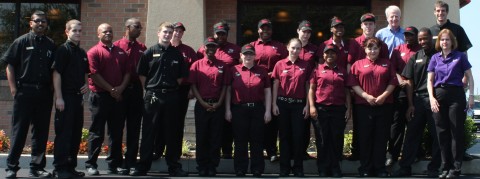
(72, 64)
(162, 67)
(416, 70)
(32, 58)
(462, 39)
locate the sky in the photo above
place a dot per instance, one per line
(469, 22)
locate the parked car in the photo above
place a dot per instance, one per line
(476, 114)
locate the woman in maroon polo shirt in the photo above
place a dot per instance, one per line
(289, 103)
(248, 106)
(373, 80)
(330, 108)
(447, 100)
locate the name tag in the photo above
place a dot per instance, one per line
(230, 50)
(435, 37)
(285, 71)
(121, 53)
(156, 55)
(274, 47)
(175, 61)
(220, 71)
(29, 48)
(365, 66)
(340, 74)
(384, 65)
(419, 61)
(324, 71)
(140, 51)
(403, 54)
(301, 69)
(257, 74)
(311, 52)
(237, 74)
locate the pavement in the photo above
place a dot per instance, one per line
(470, 169)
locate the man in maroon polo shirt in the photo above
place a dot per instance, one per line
(133, 95)
(337, 27)
(368, 27)
(268, 53)
(400, 56)
(207, 77)
(109, 76)
(228, 53)
(189, 56)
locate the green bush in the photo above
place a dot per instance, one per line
(347, 142)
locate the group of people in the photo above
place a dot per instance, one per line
(251, 95)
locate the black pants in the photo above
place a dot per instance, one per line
(68, 132)
(227, 139)
(208, 133)
(183, 91)
(133, 97)
(292, 135)
(31, 106)
(271, 136)
(373, 131)
(161, 115)
(450, 126)
(414, 133)
(307, 134)
(397, 129)
(329, 131)
(105, 110)
(248, 129)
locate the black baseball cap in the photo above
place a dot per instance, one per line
(248, 48)
(179, 25)
(210, 41)
(305, 25)
(336, 21)
(220, 27)
(367, 17)
(330, 47)
(411, 30)
(264, 22)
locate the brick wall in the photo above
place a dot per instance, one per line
(113, 12)
(217, 10)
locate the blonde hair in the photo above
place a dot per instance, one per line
(69, 24)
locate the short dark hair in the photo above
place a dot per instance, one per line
(427, 30)
(441, 4)
(38, 13)
(370, 41)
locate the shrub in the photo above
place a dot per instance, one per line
(49, 149)
(4, 141)
(347, 142)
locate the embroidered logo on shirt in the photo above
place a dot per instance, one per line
(403, 54)
(175, 61)
(285, 71)
(140, 51)
(237, 73)
(274, 47)
(340, 74)
(257, 74)
(29, 48)
(324, 71)
(365, 66)
(311, 52)
(384, 65)
(220, 71)
(302, 69)
(419, 61)
(156, 55)
(121, 53)
(230, 50)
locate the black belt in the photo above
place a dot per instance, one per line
(250, 105)
(291, 100)
(163, 90)
(444, 85)
(210, 100)
(421, 94)
(30, 85)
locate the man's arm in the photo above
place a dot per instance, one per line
(11, 80)
(57, 85)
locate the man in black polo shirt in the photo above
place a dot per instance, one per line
(70, 83)
(441, 13)
(29, 74)
(161, 69)
(419, 112)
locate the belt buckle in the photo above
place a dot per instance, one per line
(250, 104)
(164, 90)
(290, 100)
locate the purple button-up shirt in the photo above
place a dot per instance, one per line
(450, 70)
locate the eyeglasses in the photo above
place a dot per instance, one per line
(136, 26)
(37, 21)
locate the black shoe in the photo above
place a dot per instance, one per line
(364, 174)
(212, 172)
(123, 171)
(284, 174)
(322, 174)
(298, 174)
(177, 173)
(202, 172)
(11, 174)
(443, 175)
(402, 173)
(63, 174)
(92, 171)
(156, 156)
(240, 173)
(227, 156)
(382, 174)
(137, 173)
(40, 173)
(77, 173)
(257, 174)
(452, 174)
(273, 158)
(337, 174)
(432, 173)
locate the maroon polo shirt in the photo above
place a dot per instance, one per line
(134, 51)
(343, 51)
(112, 64)
(228, 53)
(269, 53)
(209, 77)
(402, 53)
(360, 51)
(248, 85)
(292, 78)
(309, 54)
(189, 56)
(331, 84)
(372, 77)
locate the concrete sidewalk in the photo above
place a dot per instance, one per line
(226, 165)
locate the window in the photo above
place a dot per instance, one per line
(15, 17)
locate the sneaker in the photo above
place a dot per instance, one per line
(273, 158)
(11, 174)
(137, 173)
(40, 173)
(92, 171)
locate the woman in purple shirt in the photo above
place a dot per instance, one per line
(447, 100)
